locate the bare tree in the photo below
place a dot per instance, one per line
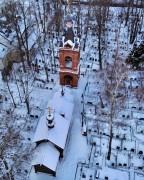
(87, 24)
(114, 84)
(26, 87)
(5, 75)
(58, 15)
(101, 17)
(136, 24)
(17, 14)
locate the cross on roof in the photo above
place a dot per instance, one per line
(49, 111)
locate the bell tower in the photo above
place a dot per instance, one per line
(69, 54)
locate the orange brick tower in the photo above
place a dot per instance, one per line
(69, 54)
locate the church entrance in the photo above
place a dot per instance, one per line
(68, 80)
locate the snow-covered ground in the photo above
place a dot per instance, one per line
(84, 156)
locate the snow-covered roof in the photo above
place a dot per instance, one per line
(35, 112)
(139, 176)
(46, 154)
(88, 63)
(138, 115)
(69, 70)
(115, 143)
(56, 135)
(95, 66)
(136, 161)
(122, 158)
(62, 106)
(69, 42)
(82, 69)
(113, 174)
(20, 112)
(129, 145)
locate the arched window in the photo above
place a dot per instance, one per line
(68, 62)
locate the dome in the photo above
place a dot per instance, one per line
(50, 117)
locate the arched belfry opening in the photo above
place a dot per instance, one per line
(68, 46)
(68, 62)
(69, 54)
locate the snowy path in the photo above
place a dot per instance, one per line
(76, 148)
